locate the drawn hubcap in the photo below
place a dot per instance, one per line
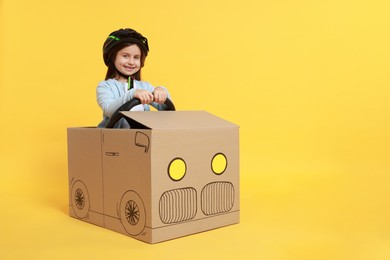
(132, 212)
(79, 199)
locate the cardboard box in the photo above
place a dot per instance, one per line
(174, 173)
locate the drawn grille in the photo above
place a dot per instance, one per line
(217, 197)
(178, 205)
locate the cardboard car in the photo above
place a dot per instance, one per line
(172, 174)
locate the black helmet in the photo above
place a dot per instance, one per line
(121, 36)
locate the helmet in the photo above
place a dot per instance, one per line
(122, 36)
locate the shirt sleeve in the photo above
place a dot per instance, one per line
(111, 96)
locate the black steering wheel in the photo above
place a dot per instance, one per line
(168, 106)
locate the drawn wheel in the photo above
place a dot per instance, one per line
(80, 199)
(132, 213)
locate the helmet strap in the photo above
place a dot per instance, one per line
(121, 74)
(130, 79)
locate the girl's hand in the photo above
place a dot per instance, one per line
(160, 95)
(144, 96)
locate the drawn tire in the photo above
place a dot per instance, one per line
(132, 213)
(80, 199)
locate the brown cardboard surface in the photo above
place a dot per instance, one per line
(177, 177)
(84, 166)
(174, 120)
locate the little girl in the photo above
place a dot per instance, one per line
(124, 53)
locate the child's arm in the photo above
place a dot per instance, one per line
(111, 95)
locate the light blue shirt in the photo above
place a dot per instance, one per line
(111, 94)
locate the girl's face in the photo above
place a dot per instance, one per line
(128, 60)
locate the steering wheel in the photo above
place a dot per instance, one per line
(168, 106)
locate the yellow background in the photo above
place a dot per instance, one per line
(307, 81)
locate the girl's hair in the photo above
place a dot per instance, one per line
(112, 70)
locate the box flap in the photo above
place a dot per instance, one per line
(168, 120)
